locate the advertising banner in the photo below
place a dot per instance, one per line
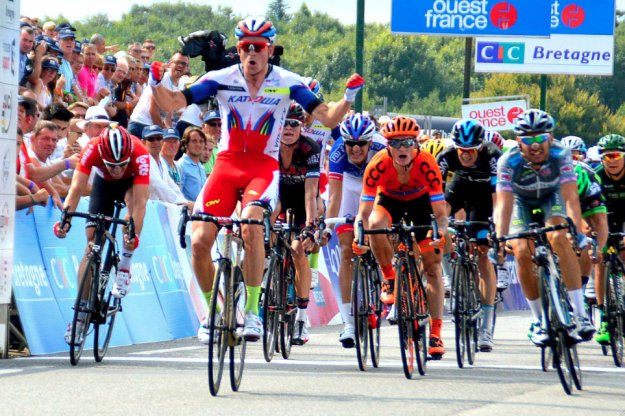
(581, 43)
(497, 116)
(471, 17)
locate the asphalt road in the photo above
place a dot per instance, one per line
(320, 378)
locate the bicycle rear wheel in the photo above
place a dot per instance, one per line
(269, 304)
(614, 314)
(82, 314)
(219, 311)
(238, 345)
(473, 314)
(405, 325)
(375, 314)
(460, 304)
(360, 311)
(562, 360)
(108, 306)
(287, 324)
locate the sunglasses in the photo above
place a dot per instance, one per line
(530, 140)
(112, 166)
(469, 150)
(150, 47)
(214, 124)
(109, 68)
(154, 138)
(292, 123)
(398, 144)
(252, 46)
(579, 157)
(360, 143)
(612, 156)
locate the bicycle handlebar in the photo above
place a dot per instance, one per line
(397, 229)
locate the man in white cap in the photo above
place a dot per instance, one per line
(96, 119)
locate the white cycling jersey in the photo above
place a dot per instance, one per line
(252, 125)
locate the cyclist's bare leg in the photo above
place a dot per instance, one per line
(435, 291)
(569, 266)
(303, 273)
(380, 244)
(525, 268)
(346, 267)
(90, 234)
(203, 236)
(488, 281)
(255, 250)
(599, 224)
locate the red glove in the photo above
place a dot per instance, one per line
(136, 240)
(358, 249)
(354, 84)
(156, 73)
(58, 232)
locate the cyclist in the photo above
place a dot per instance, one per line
(299, 185)
(495, 137)
(348, 159)
(539, 174)
(122, 173)
(433, 147)
(577, 147)
(469, 169)
(254, 98)
(611, 173)
(403, 181)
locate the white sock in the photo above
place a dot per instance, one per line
(536, 307)
(346, 313)
(302, 314)
(577, 300)
(125, 259)
(487, 319)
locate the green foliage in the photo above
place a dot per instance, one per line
(417, 74)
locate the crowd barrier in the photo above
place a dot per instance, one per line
(164, 302)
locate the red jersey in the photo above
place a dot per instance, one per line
(381, 177)
(139, 166)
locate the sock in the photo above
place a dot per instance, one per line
(601, 310)
(207, 297)
(302, 308)
(585, 280)
(302, 314)
(577, 299)
(346, 309)
(435, 328)
(313, 260)
(487, 319)
(125, 259)
(253, 295)
(446, 264)
(388, 272)
(537, 309)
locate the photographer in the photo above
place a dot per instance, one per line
(31, 54)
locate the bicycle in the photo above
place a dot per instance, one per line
(226, 309)
(411, 307)
(278, 307)
(366, 306)
(557, 320)
(614, 298)
(100, 307)
(466, 305)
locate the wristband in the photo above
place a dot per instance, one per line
(31, 185)
(67, 164)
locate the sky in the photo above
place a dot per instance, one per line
(344, 10)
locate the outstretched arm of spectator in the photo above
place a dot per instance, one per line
(43, 173)
(29, 185)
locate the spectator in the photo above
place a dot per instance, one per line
(145, 56)
(134, 50)
(104, 83)
(27, 114)
(61, 117)
(162, 187)
(30, 66)
(150, 47)
(42, 145)
(171, 145)
(191, 116)
(78, 109)
(100, 44)
(119, 114)
(143, 78)
(147, 112)
(193, 174)
(96, 119)
(65, 83)
(212, 129)
(27, 194)
(49, 29)
(44, 89)
(88, 75)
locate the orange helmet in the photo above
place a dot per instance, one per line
(400, 126)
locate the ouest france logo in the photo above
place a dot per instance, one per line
(471, 14)
(572, 15)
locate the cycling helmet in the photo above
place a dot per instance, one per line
(468, 133)
(253, 26)
(592, 155)
(495, 137)
(533, 121)
(357, 127)
(296, 112)
(574, 143)
(611, 142)
(433, 146)
(583, 180)
(314, 85)
(400, 126)
(115, 144)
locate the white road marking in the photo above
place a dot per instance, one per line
(315, 363)
(166, 350)
(11, 371)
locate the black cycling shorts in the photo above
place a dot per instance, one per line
(104, 194)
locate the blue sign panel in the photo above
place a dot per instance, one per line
(472, 17)
(582, 17)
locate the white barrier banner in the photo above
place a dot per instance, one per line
(495, 115)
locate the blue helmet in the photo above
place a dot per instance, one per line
(253, 26)
(357, 127)
(468, 133)
(533, 121)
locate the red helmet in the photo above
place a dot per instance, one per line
(115, 145)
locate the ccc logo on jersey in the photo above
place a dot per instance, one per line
(375, 174)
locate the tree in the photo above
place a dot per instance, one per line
(277, 11)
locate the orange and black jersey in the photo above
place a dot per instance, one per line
(381, 177)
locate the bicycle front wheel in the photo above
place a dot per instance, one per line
(422, 321)
(405, 326)
(375, 316)
(360, 311)
(217, 322)
(287, 324)
(614, 314)
(108, 307)
(238, 296)
(269, 305)
(82, 311)
(460, 303)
